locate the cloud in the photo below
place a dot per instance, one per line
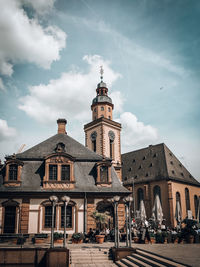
(134, 133)
(70, 96)
(6, 132)
(2, 87)
(25, 39)
(40, 6)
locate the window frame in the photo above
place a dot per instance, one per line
(61, 159)
(19, 164)
(98, 179)
(60, 217)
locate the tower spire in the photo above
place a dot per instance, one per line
(101, 72)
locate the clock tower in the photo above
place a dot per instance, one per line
(102, 135)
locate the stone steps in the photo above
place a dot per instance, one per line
(91, 258)
(144, 258)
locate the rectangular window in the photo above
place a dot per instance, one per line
(13, 172)
(68, 217)
(52, 172)
(104, 174)
(65, 172)
(48, 217)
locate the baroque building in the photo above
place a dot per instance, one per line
(62, 166)
(90, 175)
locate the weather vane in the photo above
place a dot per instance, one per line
(101, 72)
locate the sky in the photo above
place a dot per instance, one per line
(50, 56)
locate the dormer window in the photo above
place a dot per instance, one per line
(65, 173)
(59, 172)
(103, 173)
(53, 171)
(13, 172)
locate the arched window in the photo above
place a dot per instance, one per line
(196, 204)
(178, 197)
(187, 199)
(157, 191)
(111, 148)
(140, 196)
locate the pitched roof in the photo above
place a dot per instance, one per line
(155, 162)
(47, 147)
(85, 160)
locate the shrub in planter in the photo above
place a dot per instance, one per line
(188, 232)
(77, 238)
(57, 236)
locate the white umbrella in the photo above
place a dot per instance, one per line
(142, 211)
(157, 213)
(178, 213)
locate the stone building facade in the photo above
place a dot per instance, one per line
(156, 170)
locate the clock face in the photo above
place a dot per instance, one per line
(111, 135)
(93, 136)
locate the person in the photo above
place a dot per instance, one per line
(147, 235)
(107, 233)
(90, 235)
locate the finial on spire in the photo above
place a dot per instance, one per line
(101, 72)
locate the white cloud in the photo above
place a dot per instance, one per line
(134, 133)
(70, 96)
(6, 132)
(2, 86)
(41, 6)
(26, 40)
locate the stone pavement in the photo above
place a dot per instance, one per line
(183, 253)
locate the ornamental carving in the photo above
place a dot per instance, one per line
(93, 136)
(60, 147)
(111, 135)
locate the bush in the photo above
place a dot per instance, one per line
(78, 236)
(57, 236)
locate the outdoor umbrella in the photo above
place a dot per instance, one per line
(157, 213)
(142, 211)
(198, 211)
(178, 213)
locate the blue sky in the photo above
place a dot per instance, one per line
(50, 54)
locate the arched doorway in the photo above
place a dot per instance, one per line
(106, 207)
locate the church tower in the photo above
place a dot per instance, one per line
(102, 135)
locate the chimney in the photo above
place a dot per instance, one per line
(61, 126)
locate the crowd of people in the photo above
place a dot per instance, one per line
(146, 231)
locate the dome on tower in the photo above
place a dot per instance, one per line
(101, 85)
(101, 99)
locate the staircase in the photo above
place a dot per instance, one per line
(91, 257)
(145, 258)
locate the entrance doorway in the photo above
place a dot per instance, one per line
(9, 219)
(107, 208)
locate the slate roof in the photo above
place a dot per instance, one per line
(47, 147)
(84, 168)
(155, 162)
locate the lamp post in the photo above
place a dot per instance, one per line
(128, 201)
(127, 223)
(115, 201)
(133, 196)
(53, 200)
(66, 200)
